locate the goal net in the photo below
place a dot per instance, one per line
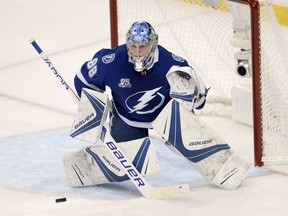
(202, 35)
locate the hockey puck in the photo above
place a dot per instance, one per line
(60, 200)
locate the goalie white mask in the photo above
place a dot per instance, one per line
(141, 42)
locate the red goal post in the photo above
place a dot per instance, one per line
(121, 17)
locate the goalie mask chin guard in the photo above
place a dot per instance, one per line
(141, 42)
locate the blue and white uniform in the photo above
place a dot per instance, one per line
(138, 98)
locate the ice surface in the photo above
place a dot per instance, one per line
(36, 116)
(36, 161)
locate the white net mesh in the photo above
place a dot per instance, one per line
(274, 94)
(201, 34)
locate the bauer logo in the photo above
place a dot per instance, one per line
(111, 164)
(107, 59)
(177, 58)
(83, 121)
(130, 170)
(202, 142)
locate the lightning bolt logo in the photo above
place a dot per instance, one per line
(144, 100)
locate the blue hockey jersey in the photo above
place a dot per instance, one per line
(138, 98)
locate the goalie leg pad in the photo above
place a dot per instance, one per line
(94, 165)
(231, 173)
(192, 138)
(77, 169)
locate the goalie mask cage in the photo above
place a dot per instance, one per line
(201, 34)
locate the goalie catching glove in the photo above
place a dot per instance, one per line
(187, 87)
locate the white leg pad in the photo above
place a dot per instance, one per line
(94, 165)
(77, 169)
(189, 136)
(231, 173)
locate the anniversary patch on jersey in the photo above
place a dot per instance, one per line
(177, 58)
(107, 59)
(124, 83)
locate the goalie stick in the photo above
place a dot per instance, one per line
(148, 191)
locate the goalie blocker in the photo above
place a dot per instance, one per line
(188, 136)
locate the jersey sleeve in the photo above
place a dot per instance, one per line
(91, 74)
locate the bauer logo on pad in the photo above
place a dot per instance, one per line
(90, 116)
